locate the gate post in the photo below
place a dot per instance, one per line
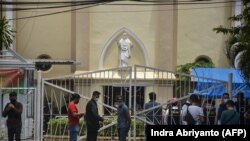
(37, 130)
(134, 103)
(130, 100)
(229, 84)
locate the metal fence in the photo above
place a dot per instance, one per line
(111, 83)
(134, 84)
(172, 91)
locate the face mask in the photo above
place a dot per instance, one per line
(96, 99)
(118, 104)
(225, 100)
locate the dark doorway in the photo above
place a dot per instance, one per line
(111, 93)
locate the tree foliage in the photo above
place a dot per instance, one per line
(6, 33)
(182, 87)
(187, 67)
(239, 40)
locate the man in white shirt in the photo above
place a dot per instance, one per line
(195, 110)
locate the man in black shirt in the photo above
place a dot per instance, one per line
(13, 110)
(92, 117)
(222, 107)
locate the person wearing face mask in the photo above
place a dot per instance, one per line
(92, 117)
(123, 119)
(13, 110)
(222, 107)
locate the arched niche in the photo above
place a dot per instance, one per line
(138, 44)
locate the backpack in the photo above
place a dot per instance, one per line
(189, 118)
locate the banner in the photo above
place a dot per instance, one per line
(11, 77)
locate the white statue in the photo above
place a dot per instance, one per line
(124, 45)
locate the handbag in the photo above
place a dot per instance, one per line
(189, 118)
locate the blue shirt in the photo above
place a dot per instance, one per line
(122, 120)
(155, 114)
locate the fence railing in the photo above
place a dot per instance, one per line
(111, 83)
(134, 84)
(172, 91)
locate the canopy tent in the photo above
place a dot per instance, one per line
(218, 86)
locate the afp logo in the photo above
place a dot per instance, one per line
(233, 133)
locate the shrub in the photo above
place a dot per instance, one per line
(58, 126)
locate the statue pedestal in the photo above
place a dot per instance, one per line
(124, 71)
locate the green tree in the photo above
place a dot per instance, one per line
(238, 44)
(199, 64)
(183, 84)
(6, 33)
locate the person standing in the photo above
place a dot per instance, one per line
(172, 114)
(92, 117)
(123, 119)
(155, 115)
(13, 110)
(230, 116)
(73, 117)
(222, 107)
(195, 110)
(241, 106)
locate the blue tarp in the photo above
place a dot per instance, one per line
(217, 88)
